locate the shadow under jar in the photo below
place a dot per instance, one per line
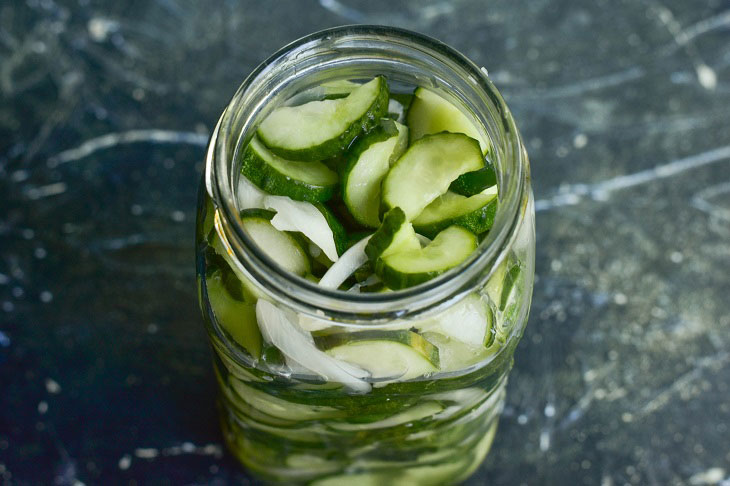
(289, 424)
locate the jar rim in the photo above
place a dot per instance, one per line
(369, 308)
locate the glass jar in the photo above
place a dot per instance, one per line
(291, 422)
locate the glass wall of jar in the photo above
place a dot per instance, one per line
(421, 408)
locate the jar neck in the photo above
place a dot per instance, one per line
(361, 52)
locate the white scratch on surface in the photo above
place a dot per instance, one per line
(601, 191)
(702, 200)
(49, 190)
(702, 27)
(587, 85)
(343, 11)
(122, 138)
(716, 362)
(151, 453)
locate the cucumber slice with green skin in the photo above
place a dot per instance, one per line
(303, 181)
(321, 129)
(474, 182)
(430, 113)
(426, 170)
(279, 246)
(282, 409)
(475, 213)
(413, 414)
(408, 268)
(395, 234)
(385, 354)
(369, 161)
(338, 230)
(237, 318)
(266, 214)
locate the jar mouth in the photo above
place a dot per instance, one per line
(296, 61)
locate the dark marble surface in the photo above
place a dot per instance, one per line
(105, 107)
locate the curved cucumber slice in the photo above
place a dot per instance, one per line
(279, 246)
(475, 213)
(394, 235)
(430, 113)
(385, 354)
(283, 409)
(303, 181)
(413, 414)
(474, 182)
(236, 317)
(426, 170)
(321, 129)
(408, 268)
(369, 160)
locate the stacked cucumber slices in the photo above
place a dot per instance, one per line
(362, 190)
(402, 180)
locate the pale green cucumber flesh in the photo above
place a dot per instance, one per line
(431, 113)
(398, 354)
(426, 170)
(237, 318)
(281, 247)
(321, 129)
(408, 268)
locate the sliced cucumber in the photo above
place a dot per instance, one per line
(474, 182)
(475, 213)
(426, 170)
(394, 235)
(282, 409)
(338, 231)
(321, 129)
(413, 414)
(266, 214)
(430, 113)
(369, 160)
(279, 246)
(237, 318)
(330, 90)
(408, 268)
(385, 354)
(303, 181)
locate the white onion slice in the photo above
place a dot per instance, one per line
(302, 216)
(249, 195)
(278, 329)
(350, 261)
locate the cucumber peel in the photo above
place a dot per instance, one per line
(302, 181)
(394, 234)
(475, 213)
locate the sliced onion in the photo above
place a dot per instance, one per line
(249, 195)
(279, 329)
(350, 261)
(302, 216)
